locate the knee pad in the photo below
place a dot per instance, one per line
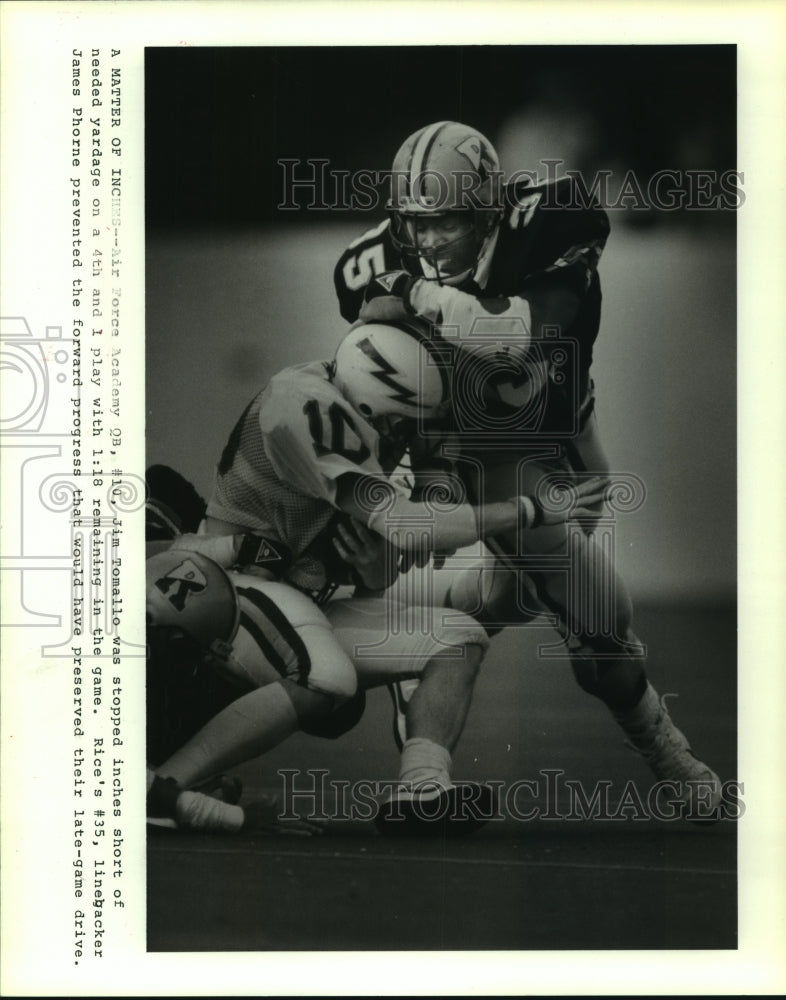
(341, 720)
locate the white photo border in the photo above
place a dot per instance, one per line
(37, 957)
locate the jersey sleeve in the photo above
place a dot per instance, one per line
(371, 254)
(312, 437)
(567, 230)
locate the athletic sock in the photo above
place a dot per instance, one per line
(638, 722)
(422, 760)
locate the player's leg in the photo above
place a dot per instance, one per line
(440, 648)
(607, 657)
(594, 616)
(391, 642)
(567, 574)
(285, 669)
(439, 706)
(492, 594)
(652, 733)
(169, 805)
(483, 589)
(247, 728)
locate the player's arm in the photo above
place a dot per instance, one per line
(375, 502)
(516, 318)
(232, 546)
(568, 244)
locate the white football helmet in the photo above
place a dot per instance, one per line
(191, 592)
(445, 168)
(392, 370)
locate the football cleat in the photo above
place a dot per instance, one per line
(433, 811)
(195, 811)
(667, 751)
(173, 808)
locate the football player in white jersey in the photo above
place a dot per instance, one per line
(323, 441)
(238, 663)
(327, 438)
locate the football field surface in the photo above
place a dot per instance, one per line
(607, 879)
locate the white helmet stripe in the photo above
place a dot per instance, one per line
(421, 150)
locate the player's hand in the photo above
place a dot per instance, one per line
(386, 309)
(386, 298)
(367, 552)
(417, 557)
(397, 283)
(558, 500)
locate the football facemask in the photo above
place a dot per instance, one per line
(441, 170)
(446, 245)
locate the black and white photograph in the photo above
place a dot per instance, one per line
(440, 430)
(392, 542)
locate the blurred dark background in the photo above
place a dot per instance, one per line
(219, 119)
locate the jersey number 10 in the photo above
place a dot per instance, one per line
(339, 421)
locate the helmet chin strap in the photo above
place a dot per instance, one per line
(432, 272)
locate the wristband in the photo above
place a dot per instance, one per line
(396, 283)
(532, 512)
(256, 550)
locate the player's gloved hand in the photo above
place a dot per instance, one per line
(559, 499)
(386, 298)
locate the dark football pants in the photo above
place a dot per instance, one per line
(571, 571)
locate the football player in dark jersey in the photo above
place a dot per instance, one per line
(508, 273)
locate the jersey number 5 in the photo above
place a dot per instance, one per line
(361, 268)
(339, 421)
